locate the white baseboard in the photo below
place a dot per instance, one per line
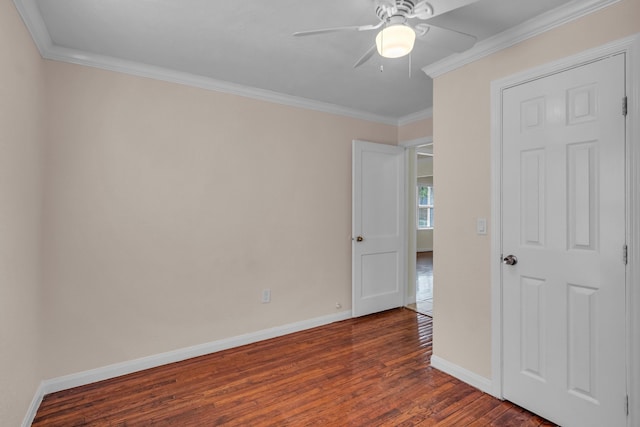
(33, 407)
(471, 378)
(111, 371)
(424, 250)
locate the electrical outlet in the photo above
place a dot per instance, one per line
(266, 296)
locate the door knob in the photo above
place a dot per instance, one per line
(510, 260)
(359, 239)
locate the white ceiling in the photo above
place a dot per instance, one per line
(250, 43)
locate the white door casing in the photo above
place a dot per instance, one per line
(563, 216)
(378, 218)
(411, 164)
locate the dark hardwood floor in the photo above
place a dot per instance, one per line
(424, 263)
(370, 371)
(424, 284)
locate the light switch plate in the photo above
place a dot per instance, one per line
(481, 226)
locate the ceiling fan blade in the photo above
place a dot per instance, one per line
(364, 58)
(338, 29)
(449, 39)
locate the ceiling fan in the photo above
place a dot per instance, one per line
(398, 30)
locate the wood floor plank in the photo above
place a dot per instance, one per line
(369, 371)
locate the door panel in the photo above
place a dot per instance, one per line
(583, 203)
(532, 331)
(582, 351)
(378, 218)
(532, 192)
(563, 174)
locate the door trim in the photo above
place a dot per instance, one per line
(412, 232)
(629, 46)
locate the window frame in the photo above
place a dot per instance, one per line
(430, 224)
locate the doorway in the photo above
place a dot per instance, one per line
(423, 205)
(424, 283)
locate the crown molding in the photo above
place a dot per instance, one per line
(425, 140)
(419, 115)
(32, 19)
(73, 56)
(528, 29)
(30, 14)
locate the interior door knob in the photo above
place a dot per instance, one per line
(359, 239)
(510, 260)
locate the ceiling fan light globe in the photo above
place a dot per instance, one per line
(395, 41)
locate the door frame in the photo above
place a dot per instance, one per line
(629, 46)
(412, 232)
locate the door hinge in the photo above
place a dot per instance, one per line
(627, 405)
(625, 254)
(624, 106)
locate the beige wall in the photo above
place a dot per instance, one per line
(140, 216)
(425, 166)
(424, 240)
(21, 100)
(169, 208)
(414, 130)
(462, 321)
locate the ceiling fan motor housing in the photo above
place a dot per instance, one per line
(400, 11)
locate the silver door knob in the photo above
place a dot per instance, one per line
(510, 260)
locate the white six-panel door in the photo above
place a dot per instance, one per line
(378, 227)
(563, 185)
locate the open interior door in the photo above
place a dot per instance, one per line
(378, 228)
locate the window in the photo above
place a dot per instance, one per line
(425, 206)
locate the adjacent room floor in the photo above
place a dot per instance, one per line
(424, 284)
